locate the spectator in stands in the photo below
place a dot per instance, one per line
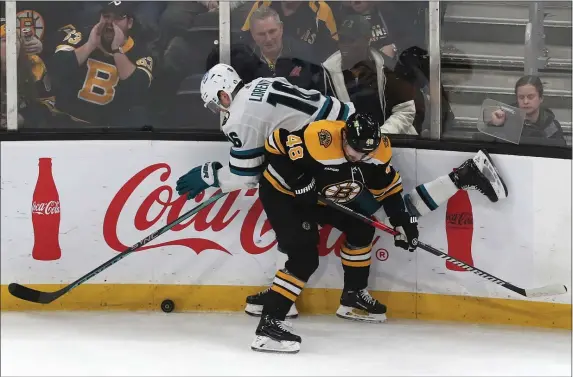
(398, 33)
(382, 38)
(356, 73)
(278, 55)
(147, 14)
(101, 76)
(312, 22)
(32, 80)
(540, 121)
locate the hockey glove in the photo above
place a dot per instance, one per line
(408, 227)
(305, 192)
(198, 179)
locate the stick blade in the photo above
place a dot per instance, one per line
(32, 295)
(548, 290)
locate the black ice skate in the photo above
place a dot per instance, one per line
(360, 306)
(479, 173)
(255, 305)
(274, 335)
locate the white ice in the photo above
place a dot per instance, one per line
(177, 344)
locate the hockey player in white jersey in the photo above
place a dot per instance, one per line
(254, 110)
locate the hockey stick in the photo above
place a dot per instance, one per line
(548, 290)
(29, 294)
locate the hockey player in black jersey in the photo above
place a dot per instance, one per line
(347, 162)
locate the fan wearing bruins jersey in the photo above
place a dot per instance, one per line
(100, 75)
(347, 162)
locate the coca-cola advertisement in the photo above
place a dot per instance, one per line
(46, 214)
(459, 229)
(167, 206)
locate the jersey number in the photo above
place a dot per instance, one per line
(100, 82)
(299, 100)
(296, 152)
(234, 138)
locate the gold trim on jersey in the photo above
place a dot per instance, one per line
(273, 143)
(323, 141)
(275, 182)
(394, 187)
(128, 45)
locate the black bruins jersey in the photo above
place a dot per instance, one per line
(317, 150)
(93, 92)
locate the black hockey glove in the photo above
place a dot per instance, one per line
(408, 227)
(305, 192)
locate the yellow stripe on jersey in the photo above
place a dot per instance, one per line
(395, 190)
(323, 141)
(276, 184)
(394, 187)
(269, 148)
(64, 48)
(324, 13)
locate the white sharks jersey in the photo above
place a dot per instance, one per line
(259, 108)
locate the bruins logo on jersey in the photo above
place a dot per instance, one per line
(324, 138)
(343, 192)
(30, 19)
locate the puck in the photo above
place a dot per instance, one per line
(167, 306)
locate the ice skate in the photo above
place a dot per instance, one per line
(255, 305)
(274, 335)
(360, 306)
(479, 173)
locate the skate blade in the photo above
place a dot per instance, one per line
(268, 345)
(486, 166)
(256, 311)
(354, 314)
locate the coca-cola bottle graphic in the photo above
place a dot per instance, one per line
(459, 229)
(46, 214)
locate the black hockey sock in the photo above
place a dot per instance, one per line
(285, 290)
(356, 265)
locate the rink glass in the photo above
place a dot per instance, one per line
(451, 56)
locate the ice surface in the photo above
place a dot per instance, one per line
(177, 344)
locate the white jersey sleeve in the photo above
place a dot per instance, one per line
(246, 157)
(259, 108)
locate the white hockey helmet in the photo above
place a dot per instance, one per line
(221, 77)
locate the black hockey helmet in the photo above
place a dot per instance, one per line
(362, 132)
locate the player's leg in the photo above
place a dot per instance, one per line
(275, 205)
(478, 173)
(355, 255)
(297, 235)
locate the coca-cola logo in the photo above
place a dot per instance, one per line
(171, 207)
(48, 208)
(460, 219)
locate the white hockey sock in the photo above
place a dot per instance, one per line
(429, 196)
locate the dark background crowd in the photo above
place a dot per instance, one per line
(138, 64)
